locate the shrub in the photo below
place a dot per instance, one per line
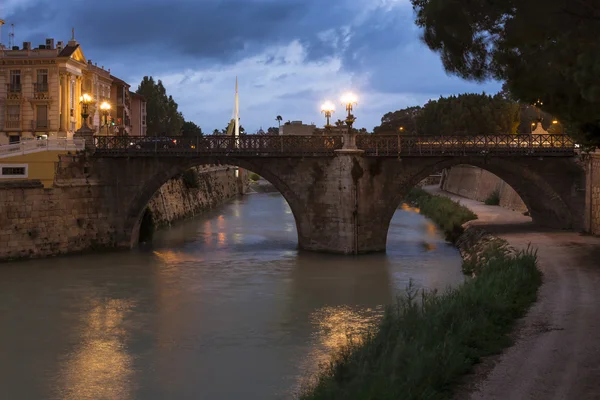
(493, 199)
(191, 179)
(254, 177)
(447, 214)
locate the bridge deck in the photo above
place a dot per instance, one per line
(319, 146)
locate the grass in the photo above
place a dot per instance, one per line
(254, 177)
(447, 214)
(427, 342)
(493, 199)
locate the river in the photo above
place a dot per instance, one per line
(222, 306)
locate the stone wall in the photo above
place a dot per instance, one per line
(76, 215)
(175, 201)
(478, 184)
(593, 187)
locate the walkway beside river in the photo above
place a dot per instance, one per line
(557, 350)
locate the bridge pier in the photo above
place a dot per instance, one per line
(343, 210)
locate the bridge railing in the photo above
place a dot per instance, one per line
(257, 145)
(401, 145)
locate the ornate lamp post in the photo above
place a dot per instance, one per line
(85, 132)
(105, 108)
(349, 100)
(328, 109)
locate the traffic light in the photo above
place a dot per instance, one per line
(112, 121)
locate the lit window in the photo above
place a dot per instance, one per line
(13, 170)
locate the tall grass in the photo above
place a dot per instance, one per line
(447, 214)
(493, 199)
(427, 341)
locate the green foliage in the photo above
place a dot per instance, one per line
(273, 131)
(493, 199)
(254, 177)
(447, 214)
(543, 49)
(191, 129)
(163, 118)
(469, 113)
(426, 342)
(402, 121)
(191, 179)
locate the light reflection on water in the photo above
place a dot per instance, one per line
(219, 307)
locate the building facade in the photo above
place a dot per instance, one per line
(138, 114)
(40, 90)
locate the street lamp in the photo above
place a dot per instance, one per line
(349, 100)
(105, 108)
(85, 100)
(401, 129)
(327, 108)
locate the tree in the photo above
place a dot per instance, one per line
(402, 121)
(163, 118)
(191, 129)
(279, 119)
(273, 131)
(543, 49)
(216, 132)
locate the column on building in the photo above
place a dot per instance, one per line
(63, 103)
(78, 93)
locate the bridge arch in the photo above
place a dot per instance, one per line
(550, 189)
(156, 179)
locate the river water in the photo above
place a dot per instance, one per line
(219, 307)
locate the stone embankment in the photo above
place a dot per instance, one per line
(71, 216)
(177, 199)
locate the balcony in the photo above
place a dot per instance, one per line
(13, 91)
(12, 123)
(40, 91)
(40, 125)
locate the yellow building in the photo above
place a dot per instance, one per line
(40, 166)
(40, 90)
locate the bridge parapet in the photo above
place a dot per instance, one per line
(319, 146)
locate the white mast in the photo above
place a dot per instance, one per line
(237, 110)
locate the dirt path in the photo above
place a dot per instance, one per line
(557, 350)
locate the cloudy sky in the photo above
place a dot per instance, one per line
(289, 55)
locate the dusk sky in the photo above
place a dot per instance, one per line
(289, 55)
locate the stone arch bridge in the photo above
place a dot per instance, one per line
(343, 191)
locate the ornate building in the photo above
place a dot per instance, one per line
(40, 90)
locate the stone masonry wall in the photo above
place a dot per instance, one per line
(478, 184)
(594, 193)
(175, 201)
(74, 216)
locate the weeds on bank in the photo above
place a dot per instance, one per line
(493, 199)
(427, 341)
(447, 214)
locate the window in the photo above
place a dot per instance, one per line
(42, 116)
(15, 80)
(42, 80)
(13, 112)
(14, 139)
(13, 170)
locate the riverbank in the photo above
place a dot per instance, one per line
(428, 341)
(556, 354)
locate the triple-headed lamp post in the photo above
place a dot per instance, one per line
(349, 100)
(85, 100)
(328, 109)
(105, 108)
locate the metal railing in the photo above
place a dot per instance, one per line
(317, 145)
(33, 146)
(12, 123)
(248, 145)
(40, 87)
(500, 145)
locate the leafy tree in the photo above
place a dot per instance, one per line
(163, 118)
(543, 49)
(402, 121)
(216, 132)
(191, 129)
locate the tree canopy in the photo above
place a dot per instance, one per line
(543, 49)
(466, 114)
(191, 129)
(163, 118)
